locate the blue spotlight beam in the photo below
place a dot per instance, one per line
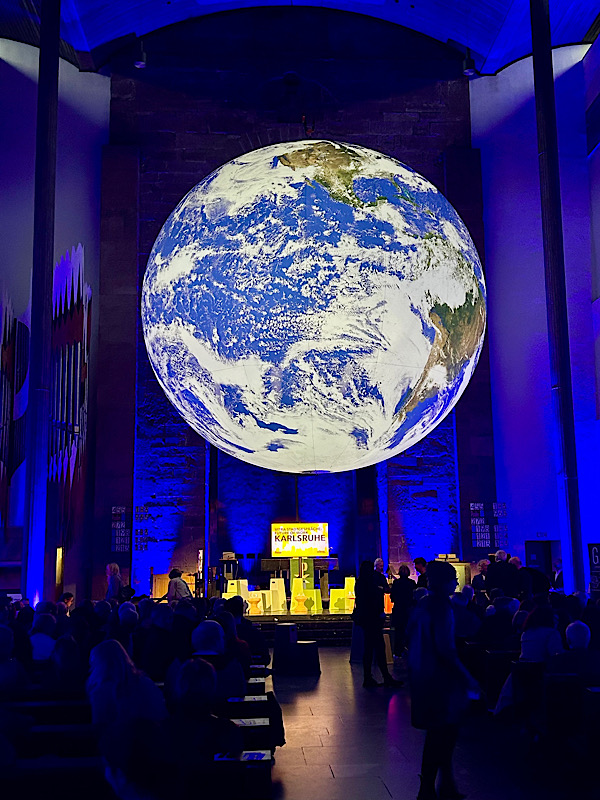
(38, 411)
(554, 269)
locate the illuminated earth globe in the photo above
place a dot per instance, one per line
(313, 307)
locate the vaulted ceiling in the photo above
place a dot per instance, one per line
(497, 32)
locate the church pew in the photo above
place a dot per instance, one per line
(52, 712)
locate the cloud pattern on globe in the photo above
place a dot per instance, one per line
(313, 306)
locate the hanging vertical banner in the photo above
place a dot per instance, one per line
(594, 551)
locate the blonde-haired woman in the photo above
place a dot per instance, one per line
(115, 582)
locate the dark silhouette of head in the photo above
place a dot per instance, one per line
(235, 606)
(540, 618)
(441, 578)
(366, 569)
(420, 564)
(195, 687)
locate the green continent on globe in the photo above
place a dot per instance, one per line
(458, 332)
(337, 167)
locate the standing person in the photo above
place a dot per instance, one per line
(402, 595)
(68, 599)
(379, 576)
(368, 613)
(440, 686)
(501, 574)
(421, 568)
(479, 581)
(115, 582)
(557, 577)
(178, 588)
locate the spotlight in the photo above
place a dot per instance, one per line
(468, 66)
(140, 56)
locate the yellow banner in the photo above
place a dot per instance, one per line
(299, 539)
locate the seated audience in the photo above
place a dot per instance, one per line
(578, 659)
(20, 628)
(188, 740)
(127, 623)
(208, 642)
(540, 639)
(234, 646)
(62, 620)
(42, 637)
(420, 593)
(247, 631)
(66, 668)
(466, 624)
(158, 649)
(204, 735)
(13, 678)
(184, 622)
(591, 617)
(513, 642)
(118, 692)
(496, 626)
(45, 607)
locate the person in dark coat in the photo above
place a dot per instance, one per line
(368, 613)
(440, 686)
(402, 596)
(502, 575)
(421, 568)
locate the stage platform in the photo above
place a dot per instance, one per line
(333, 630)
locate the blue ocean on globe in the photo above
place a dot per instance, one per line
(313, 306)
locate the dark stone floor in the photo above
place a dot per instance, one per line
(349, 743)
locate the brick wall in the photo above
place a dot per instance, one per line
(236, 81)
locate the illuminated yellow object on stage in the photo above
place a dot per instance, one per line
(238, 587)
(341, 601)
(297, 591)
(337, 601)
(254, 599)
(278, 598)
(299, 539)
(313, 601)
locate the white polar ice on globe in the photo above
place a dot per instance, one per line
(313, 306)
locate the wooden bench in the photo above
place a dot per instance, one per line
(255, 731)
(244, 707)
(52, 776)
(57, 740)
(248, 776)
(259, 671)
(256, 685)
(52, 712)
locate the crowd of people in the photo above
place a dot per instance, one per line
(156, 676)
(155, 673)
(506, 609)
